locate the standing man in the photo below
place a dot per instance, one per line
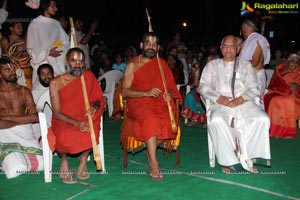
(69, 121)
(237, 126)
(3, 16)
(47, 42)
(147, 101)
(13, 45)
(84, 39)
(20, 152)
(255, 49)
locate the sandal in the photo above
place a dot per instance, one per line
(83, 175)
(155, 174)
(67, 178)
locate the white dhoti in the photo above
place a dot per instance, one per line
(251, 121)
(262, 79)
(20, 152)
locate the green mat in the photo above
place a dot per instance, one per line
(192, 179)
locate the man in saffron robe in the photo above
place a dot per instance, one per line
(282, 102)
(147, 99)
(69, 121)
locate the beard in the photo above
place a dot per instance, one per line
(75, 71)
(149, 53)
(12, 78)
(45, 82)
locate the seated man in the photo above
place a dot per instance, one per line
(282, 102)
(45, 74)
(69, 120)
(238, 126)
(20, 152)
(147, 100)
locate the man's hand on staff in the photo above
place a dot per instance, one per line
(154, 92)
(167, 96)
(82, 126)
(93, 109)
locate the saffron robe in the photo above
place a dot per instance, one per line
(69, 139)
(151, 115)
(282, 104)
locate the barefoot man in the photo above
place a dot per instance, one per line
(238, 126)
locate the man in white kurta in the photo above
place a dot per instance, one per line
(238, 127)
(256, 49)
(47, 42)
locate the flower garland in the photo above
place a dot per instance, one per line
(34, 4)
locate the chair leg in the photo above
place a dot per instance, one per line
(211, 152)
(177, 157)
(125, 158)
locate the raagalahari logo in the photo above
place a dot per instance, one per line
(271, 8)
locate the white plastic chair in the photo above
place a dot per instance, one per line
(111, 77)
(211, 151)
(47, 153)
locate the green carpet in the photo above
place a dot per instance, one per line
(192, 179)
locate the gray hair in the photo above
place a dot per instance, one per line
(291, 56)
(250, 23)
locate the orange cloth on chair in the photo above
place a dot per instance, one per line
(282, 104)
(70, 139)
(151, 115)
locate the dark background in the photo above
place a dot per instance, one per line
(123, 22)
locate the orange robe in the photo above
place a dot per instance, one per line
(151, 115)
(68, 138)
(282, 104)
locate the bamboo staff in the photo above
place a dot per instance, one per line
(173, 122)
(87, 106)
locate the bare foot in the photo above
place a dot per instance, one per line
(148, 158)
(226, 170)
(255, 170)
(82, 173)
(64, 168)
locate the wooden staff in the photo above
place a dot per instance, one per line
(172, 119)
(87, 107)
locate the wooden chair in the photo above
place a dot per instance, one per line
(131, 145)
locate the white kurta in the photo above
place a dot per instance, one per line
(84, 48)
(248, 49)
(251, 121)
(42, 34)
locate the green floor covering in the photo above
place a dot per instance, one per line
(192, 179)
